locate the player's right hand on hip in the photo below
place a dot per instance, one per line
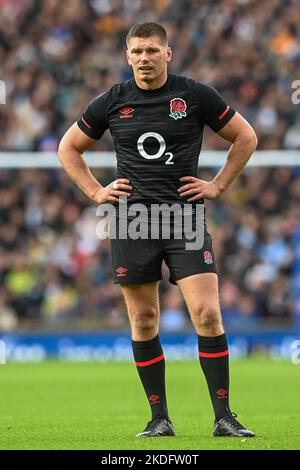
(111, 193)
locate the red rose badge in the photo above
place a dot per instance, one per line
(177, 108)
(208, 259)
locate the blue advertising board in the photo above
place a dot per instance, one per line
(117, 346)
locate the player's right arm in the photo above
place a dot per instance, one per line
(81, 137)
(71, 148)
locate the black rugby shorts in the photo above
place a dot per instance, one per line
(139, 261)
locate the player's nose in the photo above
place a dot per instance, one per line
(144, 57)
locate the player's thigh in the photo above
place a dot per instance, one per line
(185, 259)
(136, 262)
(141, 299)
(200, 293)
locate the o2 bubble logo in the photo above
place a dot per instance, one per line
(161, 150)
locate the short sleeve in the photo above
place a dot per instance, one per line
(215, 112)
(93, 121)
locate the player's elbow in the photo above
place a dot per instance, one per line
(249, 139)
(60, 148)
(253, 140)
(60, 153)
(64, 148)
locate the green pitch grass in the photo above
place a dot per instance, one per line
(57, 405)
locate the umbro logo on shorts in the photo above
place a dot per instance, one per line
(121, 271)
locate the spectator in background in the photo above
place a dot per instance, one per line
(292, 136)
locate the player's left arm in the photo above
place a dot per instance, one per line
(244, 141)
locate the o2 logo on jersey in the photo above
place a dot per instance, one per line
(161, 150)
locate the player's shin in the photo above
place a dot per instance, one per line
(150, 362)
(214, 361)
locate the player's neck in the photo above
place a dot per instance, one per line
(152, 85)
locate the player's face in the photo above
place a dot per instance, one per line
(149, 58)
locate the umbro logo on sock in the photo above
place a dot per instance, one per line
(154, 399)
(222, 393)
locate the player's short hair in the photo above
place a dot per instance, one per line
(147, 29)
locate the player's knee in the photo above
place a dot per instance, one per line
(208, 318)
(145, 320)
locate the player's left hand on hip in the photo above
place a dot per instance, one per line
(196, 189)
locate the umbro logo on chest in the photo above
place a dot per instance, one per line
(126, 113)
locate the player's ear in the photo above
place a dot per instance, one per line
(169, 54)
(128, 57)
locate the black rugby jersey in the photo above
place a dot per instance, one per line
(157, 134)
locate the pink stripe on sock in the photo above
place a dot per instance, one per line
(212, 355)
(152, 361)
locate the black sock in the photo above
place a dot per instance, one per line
(214, 360)
(150, 362)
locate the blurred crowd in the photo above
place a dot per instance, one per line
(55, 56)
(54, 269)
